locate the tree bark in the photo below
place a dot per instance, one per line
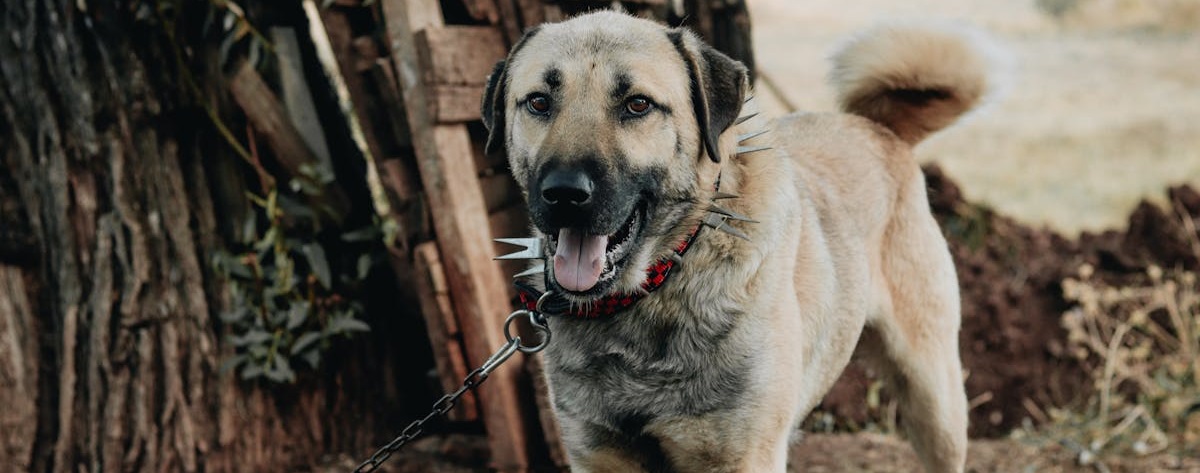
(109, 347)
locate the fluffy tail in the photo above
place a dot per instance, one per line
(913, 80)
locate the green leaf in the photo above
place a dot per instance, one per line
(365, 262)
(232, 363)
(252, 371)
(367, 233)
(267, 241)
(252, 337)
(320, 266)
(249, 228)
(281, 371)
(305, 341)
(234, 315)
(296, 209)
(312, 357)
(347, 324)
(297, 314)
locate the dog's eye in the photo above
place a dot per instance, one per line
(538, 104)
(638, 106)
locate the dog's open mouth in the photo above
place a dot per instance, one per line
(582, 261)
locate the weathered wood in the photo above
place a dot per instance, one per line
(265, 111)
(484, 10)
(392, 104)
(297, 95)
(455, 103)
(434, 295)
(456, 61)
(532, 13)
(444, 156)
(18, 371)
(366, 52)
(510, 22)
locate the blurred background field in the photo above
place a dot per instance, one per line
(1099, 107)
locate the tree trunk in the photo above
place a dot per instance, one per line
(109, 353)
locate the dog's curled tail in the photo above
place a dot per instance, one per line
(915, 80)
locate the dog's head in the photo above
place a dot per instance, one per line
(611, 124)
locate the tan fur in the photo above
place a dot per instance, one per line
(846, 247)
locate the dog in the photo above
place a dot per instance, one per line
(714, 281)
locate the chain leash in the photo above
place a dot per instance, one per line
(537, 320)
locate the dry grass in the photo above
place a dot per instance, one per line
(1141, 344)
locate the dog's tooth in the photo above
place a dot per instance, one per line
(730, 214)
(533, 248)
(746, 136)
(718, 222)
(722, 195)
(534, 271)
(742, 119)
(751, 149)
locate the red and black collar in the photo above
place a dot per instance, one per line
(656, 277)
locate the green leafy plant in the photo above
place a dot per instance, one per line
(286, 302)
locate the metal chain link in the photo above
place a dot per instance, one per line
(475, 378)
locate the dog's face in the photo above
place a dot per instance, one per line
(611, 126)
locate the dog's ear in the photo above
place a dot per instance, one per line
(492, 109)
(717, 87)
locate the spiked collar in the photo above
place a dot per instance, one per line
(656, 275)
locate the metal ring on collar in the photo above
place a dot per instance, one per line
(542, 330)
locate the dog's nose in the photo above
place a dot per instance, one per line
(567, 187)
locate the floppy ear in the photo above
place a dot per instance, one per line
(492, 109)
(717, 91)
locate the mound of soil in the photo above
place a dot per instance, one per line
(1010, 275)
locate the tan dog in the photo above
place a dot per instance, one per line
(618, 130)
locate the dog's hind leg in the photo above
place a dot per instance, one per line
(918, 330)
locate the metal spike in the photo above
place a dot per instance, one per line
(746, 136)
(717, 222)
(722, 195)
(534, 271)
(676, 257)
(750, 149)
(533, 248)
(730, 214)
(742, 119)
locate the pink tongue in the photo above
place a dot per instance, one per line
(579, 259)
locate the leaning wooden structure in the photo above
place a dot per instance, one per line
(413, 74)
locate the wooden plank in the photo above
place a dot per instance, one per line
(434, 295)
(484, 10)
(444, 157)
(264, 110)
(297, 96)
(509, 21)
(456, 103)
(459, 55)
(532, 13)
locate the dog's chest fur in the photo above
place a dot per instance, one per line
(622, 372)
